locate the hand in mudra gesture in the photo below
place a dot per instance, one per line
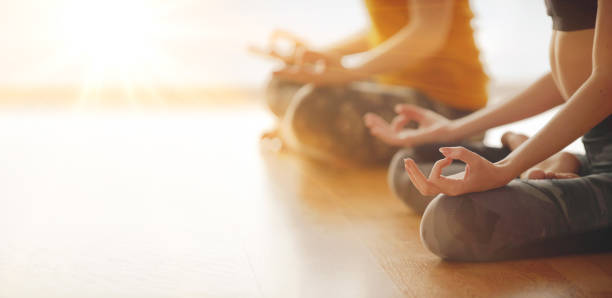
(432, 127)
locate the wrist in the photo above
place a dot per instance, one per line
(509, 168)
(439, 134)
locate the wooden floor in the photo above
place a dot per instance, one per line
(188, 204)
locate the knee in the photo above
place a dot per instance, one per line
(279, 94)
(311, 110)
(455, 228)
(274, 84)
(436, 235)
(400, 184)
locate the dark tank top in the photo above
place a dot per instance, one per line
(598, 146)
(572, 15)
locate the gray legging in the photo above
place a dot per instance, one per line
(329, 120)
(528, 218)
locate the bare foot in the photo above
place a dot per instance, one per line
(562, 165)
(512, 140)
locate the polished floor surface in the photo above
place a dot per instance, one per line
(189, 204)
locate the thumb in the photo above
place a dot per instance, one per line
(398, 123)
(413, 112)
(461, 154)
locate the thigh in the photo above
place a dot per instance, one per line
(326, 122)
(279, 93)
(505, 222)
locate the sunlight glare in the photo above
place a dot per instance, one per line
(114, 42)
(115, 33)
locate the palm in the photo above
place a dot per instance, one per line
(479, 174)
(430, 126)
(299, 53)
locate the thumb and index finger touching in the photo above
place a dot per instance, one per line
(461, 153)
(273, 49)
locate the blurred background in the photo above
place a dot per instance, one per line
(141, 46)
(139, 53)
(131, 163)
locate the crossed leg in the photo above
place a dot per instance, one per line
(526, 218)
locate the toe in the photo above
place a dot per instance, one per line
(536, 174)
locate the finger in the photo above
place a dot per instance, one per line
(309, 57)
(298, 54)
(295, 43)
(424, 186)
(398, 123)
(436, 171)
(284, 35)
(297, 51)
(461, 153)
(413, 112)
(416, 179)
(368, 119)
(320, 66)
(449, 186)
(386, 136)
(268, 53)
(286, 59)
(373, 120)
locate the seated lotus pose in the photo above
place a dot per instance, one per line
(561, 204)
(419, 52)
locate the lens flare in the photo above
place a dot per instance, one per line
(114, 43)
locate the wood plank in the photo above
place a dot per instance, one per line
(166, 205)
(391, 232)
(186, 204)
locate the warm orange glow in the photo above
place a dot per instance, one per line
(114, 43)
(115, 35)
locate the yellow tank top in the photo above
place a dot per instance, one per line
(454, 75)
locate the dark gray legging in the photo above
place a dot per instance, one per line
(327, 121)
(528, 218)
(508, 221)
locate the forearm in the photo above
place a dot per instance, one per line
(586, 108)
(406, 48)
(537, 98)
(355, 43)
(421, 38)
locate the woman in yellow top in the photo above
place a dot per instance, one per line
(416, 51)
